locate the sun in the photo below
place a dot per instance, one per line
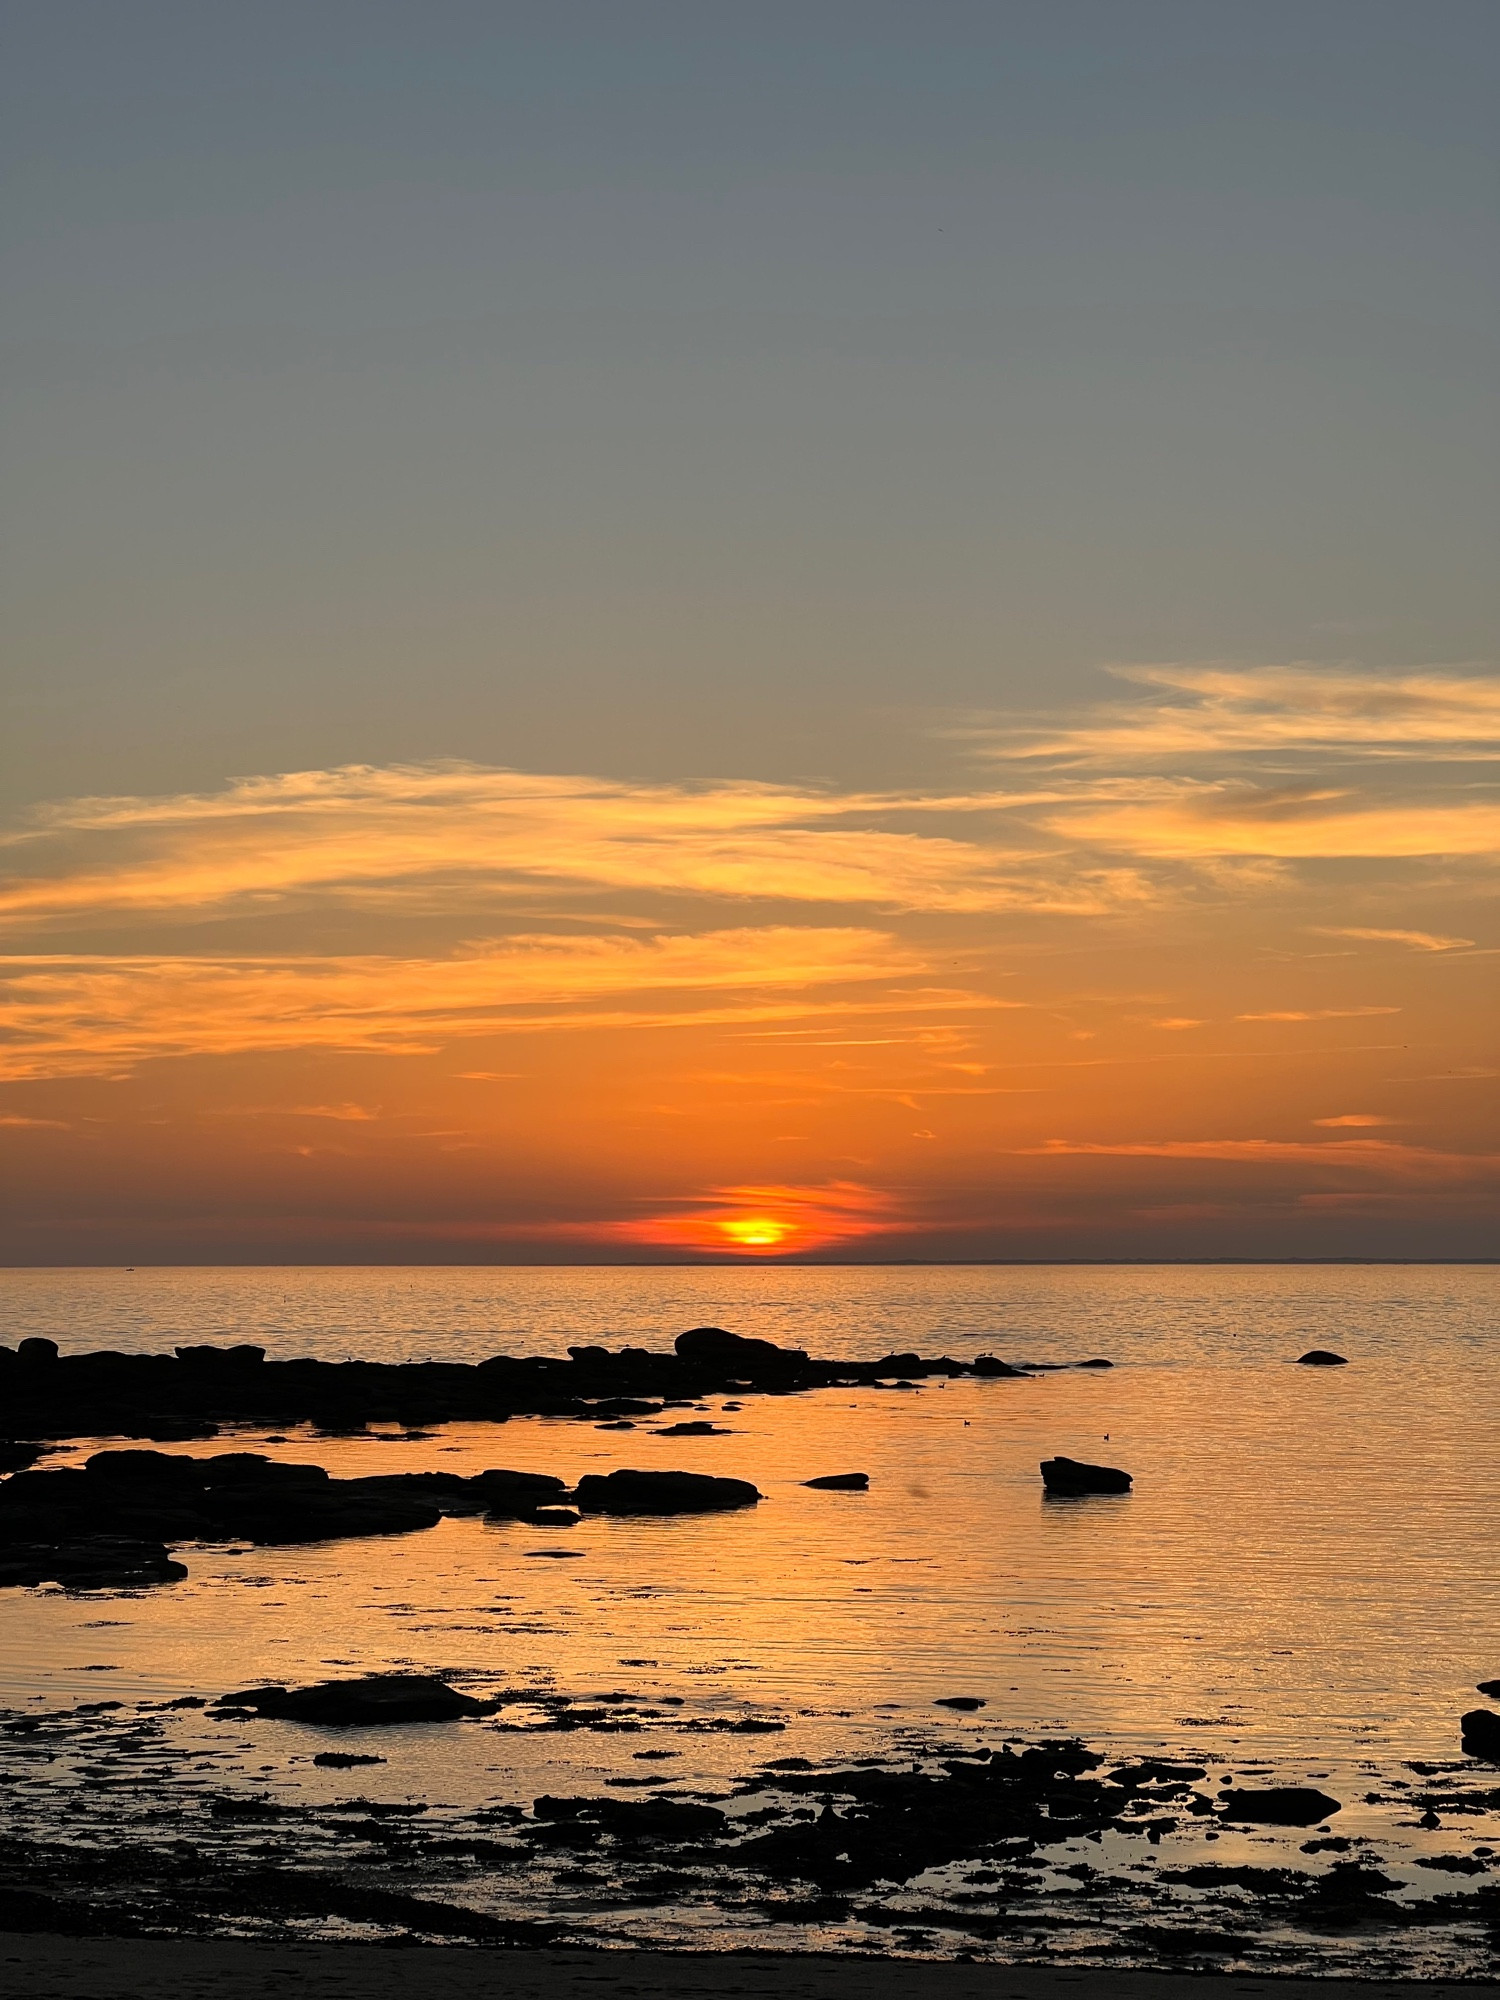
(757, 1232)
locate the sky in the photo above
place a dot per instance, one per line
(671, 631)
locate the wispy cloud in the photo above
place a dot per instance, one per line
(1212, 710)
(1317, 1013)
(64, 1015)
(1418, 940)
(456, 837)
(1385, 1157)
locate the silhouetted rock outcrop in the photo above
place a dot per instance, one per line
(373, 1700)
(1491, 1688)
(188, 1394)
(1071, 1477)
(1280, 1805)
(1322, 1357)
(113, 1513)
(1481, 1734)
(840, 1482)
(628, 1492)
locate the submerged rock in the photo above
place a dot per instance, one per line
(840, 1482)
(1280, 1805)
(375, 1700)
(1071, 1477)
(630, 1492)
(1481, 1735)
(1322, 1357)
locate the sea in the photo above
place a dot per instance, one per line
(1301, 1588)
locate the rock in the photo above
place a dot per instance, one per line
(717, 1348)
(1481, 1734)
(373, 1701)
(1280, 1805)
(343, 1760)
(553, 1517)
(16, 1457)
(1322, 1357)
(840, 1482)
(1491, 1688)
(991, 1365)
(630, 1492)
(1095, 1364)
(36, 1352)
(510, 1494)
(964, 1701)
(700, 1429)
(1070, 1477)
(92, 1562)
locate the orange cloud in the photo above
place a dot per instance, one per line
(453, 837)
(1318, 1014)
(85, 1015)
(1379, 1156)
(1418, 940)
(1213, 710)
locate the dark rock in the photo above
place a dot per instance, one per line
(1322, 1357)
(639, 1819)
(964, 1701)
(36, 1352)
(1096, 1364)
(1071, 1477)
(717, 1348)
(16, 1457)
(991, 1365)
(91, 1562)
(1280, 1805)
(631, 1492)
(1481, 1735)
(1491, 1688)
(553, 1517)
(840, 1482)
(510, 1494)
(700, 1429)
(343, 1760)
(375, 1700)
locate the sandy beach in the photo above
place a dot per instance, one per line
(50, 1968)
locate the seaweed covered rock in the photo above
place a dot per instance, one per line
(631, 1492)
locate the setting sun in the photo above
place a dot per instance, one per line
(757, 1232)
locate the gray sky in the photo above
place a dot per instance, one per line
(703, 391)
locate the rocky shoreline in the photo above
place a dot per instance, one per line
(176, 1398)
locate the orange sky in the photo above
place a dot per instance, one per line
(1205, 968)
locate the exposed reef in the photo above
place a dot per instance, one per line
(105, 1524)
(174, 1398)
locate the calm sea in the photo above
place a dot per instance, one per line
(1302, 1582)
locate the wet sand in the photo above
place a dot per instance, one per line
(50, 1968)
